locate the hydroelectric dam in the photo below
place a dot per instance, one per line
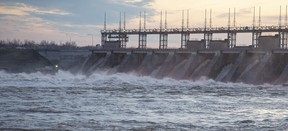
(247, 66)
(265, 61)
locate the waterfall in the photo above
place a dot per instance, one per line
(124, 63)
(251, 74)
(247, 70)
(179, 67)
(83, 66)
(103, 64)
(205, 68)
(117, 65)
(213, 62)
(142, 70)
(93, 63)
(233, 68)
(198, 71)
(156, 64)
(187, 65)
(155, 72)
(165, 67)
(191, 67)
(134, 63)
(283, 77)
(224, 72)
(251, 68)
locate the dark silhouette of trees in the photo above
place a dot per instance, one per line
(29, 44)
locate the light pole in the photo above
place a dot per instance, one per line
(92, 38)
(69, 35)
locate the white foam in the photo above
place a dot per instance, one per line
(100, 78)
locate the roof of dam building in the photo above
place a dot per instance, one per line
(237, 49)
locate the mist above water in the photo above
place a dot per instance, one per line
(67, 79)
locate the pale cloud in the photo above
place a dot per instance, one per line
(82, 26)
(140, 4)
(23, 9)
(8, 10)
(244, 11)
(133, 1)
(37, 29)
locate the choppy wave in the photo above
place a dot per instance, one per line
(103, 101)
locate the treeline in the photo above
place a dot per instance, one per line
(28, 44)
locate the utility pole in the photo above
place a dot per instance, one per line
(229, 19)
(280, 18)
(69, 35)
(105, 22)
(187, 19)
(92, 38)
(259, 24)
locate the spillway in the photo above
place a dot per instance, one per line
(253, 67)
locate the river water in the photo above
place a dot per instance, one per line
(129, 102)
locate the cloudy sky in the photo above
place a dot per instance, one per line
(60, 20)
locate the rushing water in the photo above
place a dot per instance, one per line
(128, 102)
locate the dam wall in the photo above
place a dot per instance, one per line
(19, 60)
(253, 66)
(71, 60)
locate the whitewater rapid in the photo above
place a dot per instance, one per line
(121, 101)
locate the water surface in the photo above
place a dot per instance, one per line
(66, 101)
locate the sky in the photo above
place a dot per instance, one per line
(82, 20)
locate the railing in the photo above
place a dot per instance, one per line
(199, 29)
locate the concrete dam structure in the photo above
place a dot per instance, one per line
(265, 61)
(66, 59)
(242, 65)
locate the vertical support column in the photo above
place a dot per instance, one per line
(124, 40)
(184, 39)
(283, 39)
(142, 40)
(185, 36)
(142, 37)
(206, 35)
(256, 30)
(103, 33)
(232, 33)
(163, 40)
(103, 38)
(255, 38)
(229, 37)
(124, 35)
(207, 32)
(120, 35)
(142, 33)
(207, 38)
(285, 32)
(229, 34)
(232, 38)
(281, 31)
(281, 35)
(253, 32)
